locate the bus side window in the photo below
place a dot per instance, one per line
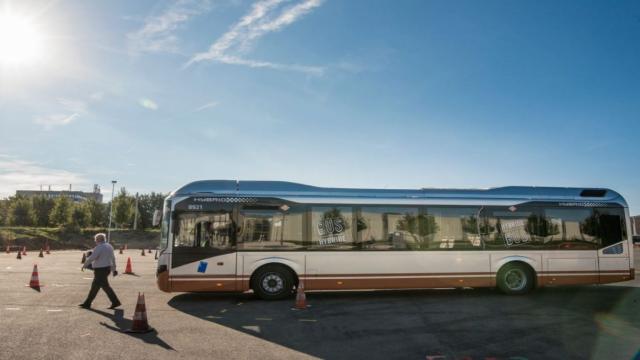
(204, 231)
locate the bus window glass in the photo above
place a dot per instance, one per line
(608, 224)
(276, 228)
(569, 229)
(388, 228)
(204, 230)
(521, 228)
(451, 228)
(331, 228)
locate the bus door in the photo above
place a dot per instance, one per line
(572, 249)
(204, 251)
(613, 256)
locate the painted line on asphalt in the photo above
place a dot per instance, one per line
(264, 319)
(223, 311)
(213, 317)
(308, 320)
(54, 310)
(12, 309)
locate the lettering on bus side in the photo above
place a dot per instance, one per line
(331, 231)
(515, 232)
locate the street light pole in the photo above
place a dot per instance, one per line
(113, 189)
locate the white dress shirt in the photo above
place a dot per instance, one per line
(101, 257)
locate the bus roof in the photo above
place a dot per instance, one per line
(291, 189)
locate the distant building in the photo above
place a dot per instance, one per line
(76, 196)
(635, 225)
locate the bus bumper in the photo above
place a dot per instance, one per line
(162, 279)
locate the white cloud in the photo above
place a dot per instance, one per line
(206, 106)
(97, 96)
(50, 121)
(158, 32)
(16, 174)
(148, 103)
(266, 16)
(71, 110)
(74, 106)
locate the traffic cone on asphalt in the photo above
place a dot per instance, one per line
(301, 298)
(24, 250)
(35, 282)
(156, 258)
(128, 269)
(120, 250)
(140, 323)
(41, 253)
(142, 252)
(84, 258)
(19, 257)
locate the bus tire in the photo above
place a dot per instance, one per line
(515, 278)
(273, 282)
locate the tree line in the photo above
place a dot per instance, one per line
(63, 212)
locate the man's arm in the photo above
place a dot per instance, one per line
(113, 260)
(94, 255)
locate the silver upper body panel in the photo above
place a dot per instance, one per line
(301, 193)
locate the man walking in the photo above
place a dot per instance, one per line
(103, 262)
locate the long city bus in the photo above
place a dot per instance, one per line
(271, 237)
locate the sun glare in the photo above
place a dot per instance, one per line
(20, 41)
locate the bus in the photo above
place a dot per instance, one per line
(270, 237)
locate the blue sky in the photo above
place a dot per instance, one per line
(396, 94)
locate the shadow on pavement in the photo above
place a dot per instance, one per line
(567, 322)
(122, 324)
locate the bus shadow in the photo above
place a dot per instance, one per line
(120, 324)
(477, 323)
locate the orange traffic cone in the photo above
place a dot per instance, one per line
(301, 298)
(142, 252)
(41, 253)
(140, 323)
(128, 269)
(19, 257)
(84, 258)
(34, 283)
(24, 250)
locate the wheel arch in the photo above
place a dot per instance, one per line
(519, 260)
(274, 261)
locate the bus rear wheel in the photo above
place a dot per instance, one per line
(272, 282)
(515, 279)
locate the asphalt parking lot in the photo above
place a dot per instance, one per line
(601, 322)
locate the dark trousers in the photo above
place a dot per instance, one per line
(100, 281)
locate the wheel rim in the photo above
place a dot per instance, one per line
(515, 279)
(272, 283)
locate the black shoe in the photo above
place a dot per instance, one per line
(84, 306)
(113, 306)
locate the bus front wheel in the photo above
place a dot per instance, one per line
(273, 282)
(515, 279)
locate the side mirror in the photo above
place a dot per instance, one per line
(157, 217)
